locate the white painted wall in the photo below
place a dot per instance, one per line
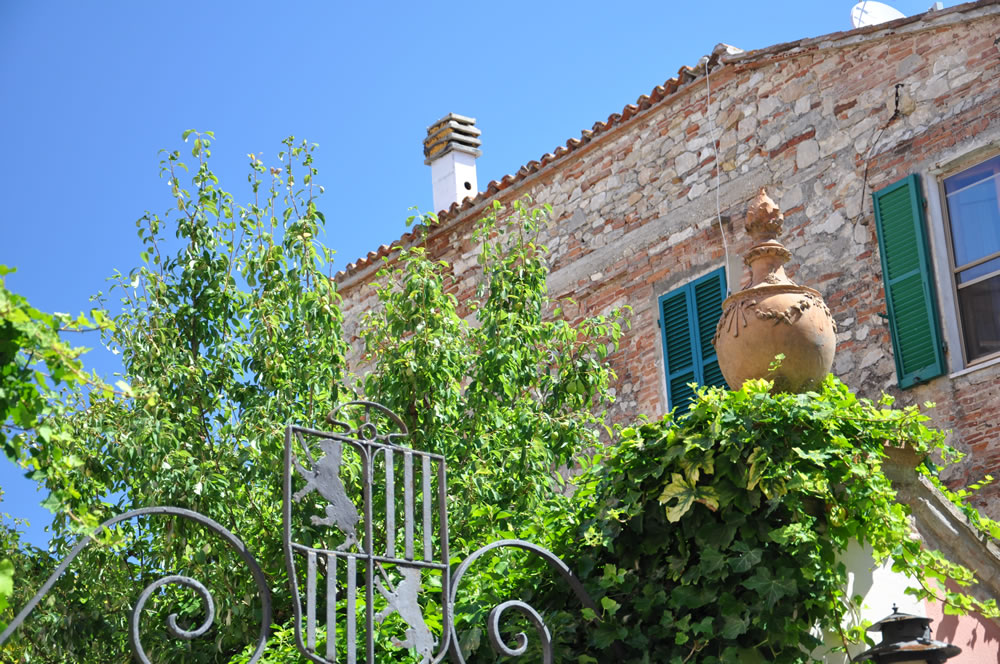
(449, 175)
(879, 588)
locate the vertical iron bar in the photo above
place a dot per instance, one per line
(390, 506)
(311, 601)
(368, 461)
(331, 606)
(408, 501)
(352, 627)
(446, 616)
(428, 522)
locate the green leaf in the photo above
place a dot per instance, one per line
(609, 605)
(747, 558)
(816, 456)
(692, 597)
(6, 586)
(755, 467)
(6, 578)
(712, 560)
(685, 492)
(44, 432)
(768, 587)
(51, 503)
(733, 626)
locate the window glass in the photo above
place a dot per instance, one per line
(980, 306)
(974, 210)
(972, 175)
(974, 213)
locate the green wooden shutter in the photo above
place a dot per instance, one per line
(678, 345)
(911, 300)
(688, 316)
(709, 292)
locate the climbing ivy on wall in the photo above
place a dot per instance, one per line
(717, 535)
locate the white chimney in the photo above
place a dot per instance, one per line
(451, 148)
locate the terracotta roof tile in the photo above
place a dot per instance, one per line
(685, 75)
(644, 102)
(722, 54)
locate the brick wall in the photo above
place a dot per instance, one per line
(635, 205)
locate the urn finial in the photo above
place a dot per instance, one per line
(764, 219)
(767, 256)
(773, 316)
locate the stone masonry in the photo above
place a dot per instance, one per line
(635, 198)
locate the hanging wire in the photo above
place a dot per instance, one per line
(718, 168)
(871, 148)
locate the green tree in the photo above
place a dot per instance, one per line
(230, 329)
(513, 394)
(41, 380)
(497, 384)
(227, 333)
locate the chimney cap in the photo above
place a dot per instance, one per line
(463, 119)
(453, 132)
(439, 128)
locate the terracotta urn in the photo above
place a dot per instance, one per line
(773, 316)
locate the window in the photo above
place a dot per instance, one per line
(972, 205)
(911, 300)
(688, 316)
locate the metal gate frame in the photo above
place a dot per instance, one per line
(323, 476)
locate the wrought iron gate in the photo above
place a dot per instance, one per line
(356, 559)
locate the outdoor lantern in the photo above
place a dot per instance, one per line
(906, 639)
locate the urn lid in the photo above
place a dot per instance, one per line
(764, 219)
(767, 255)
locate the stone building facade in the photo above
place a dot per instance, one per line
(651, 202)
(822, 123)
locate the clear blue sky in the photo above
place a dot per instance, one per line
(92, 90)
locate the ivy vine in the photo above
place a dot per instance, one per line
(718, 535)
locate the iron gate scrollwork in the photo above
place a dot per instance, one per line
(365, 523)
(135, 617)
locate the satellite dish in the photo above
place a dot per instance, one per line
(869, 12)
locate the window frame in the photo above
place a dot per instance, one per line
(954, 167)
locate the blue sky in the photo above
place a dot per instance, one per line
(92, 90)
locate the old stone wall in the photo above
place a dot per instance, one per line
(635, 205)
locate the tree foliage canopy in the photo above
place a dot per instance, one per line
(230, 329)
(509, 397)
(41, 380)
